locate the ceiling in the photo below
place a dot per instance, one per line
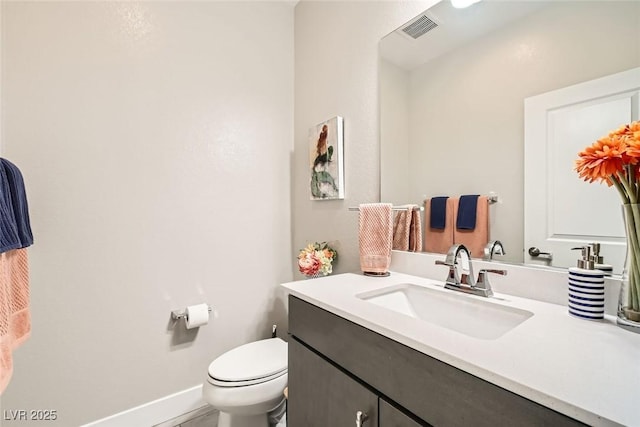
(454, 28)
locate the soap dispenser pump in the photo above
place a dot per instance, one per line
(598, 260)
(586, 287)
(586, 262)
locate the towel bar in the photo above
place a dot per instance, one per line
(490, 199)
(395, 208)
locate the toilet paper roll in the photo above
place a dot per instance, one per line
(197, 315)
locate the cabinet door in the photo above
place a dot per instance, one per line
(322, 395)
(392, 417)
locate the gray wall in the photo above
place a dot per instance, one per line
(155, 140)
(336, 73)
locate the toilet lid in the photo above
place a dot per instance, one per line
(255, 360)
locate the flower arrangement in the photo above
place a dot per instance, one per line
(316, 259)
(615, 160)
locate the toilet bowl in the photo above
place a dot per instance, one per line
(246, 383)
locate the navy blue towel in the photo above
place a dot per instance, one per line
(438, 217)
(8, 228)
(15, 230)
(467, 208)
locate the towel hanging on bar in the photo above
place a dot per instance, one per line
(375, 238)
(15, 236)
(407, 229)
(15, 228)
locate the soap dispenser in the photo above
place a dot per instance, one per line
(598, 260)
(586, 287)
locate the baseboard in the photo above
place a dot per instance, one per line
(155, 412)
(193, 418)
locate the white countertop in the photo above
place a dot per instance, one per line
(588, 370)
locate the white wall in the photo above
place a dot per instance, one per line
(467, 110)
(336, 73)
(394, 131)
(155, 140)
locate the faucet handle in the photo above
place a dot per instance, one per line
(483, 279)
(451, 276)
(492, 270)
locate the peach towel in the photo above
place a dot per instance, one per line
(415, 241)
(407, 229)
(475, 240)
(438, 241)
(15, 319)
(375, 237)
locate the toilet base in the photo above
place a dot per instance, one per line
(234, 420)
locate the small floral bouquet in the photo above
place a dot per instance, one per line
(316, 259)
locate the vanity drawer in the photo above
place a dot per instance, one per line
(432, 390)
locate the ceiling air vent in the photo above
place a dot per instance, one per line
(419, 26)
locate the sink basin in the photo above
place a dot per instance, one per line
(462, 313)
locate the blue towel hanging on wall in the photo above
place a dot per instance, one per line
(15, 227)
(438, 217)
(467, 210)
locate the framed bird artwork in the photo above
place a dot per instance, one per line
(326, 163)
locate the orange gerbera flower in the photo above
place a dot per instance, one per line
(630, 135)
(634, 128)
(604, 158)
(633, 150)
(628, 132)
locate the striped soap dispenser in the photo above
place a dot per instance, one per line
(586, 287)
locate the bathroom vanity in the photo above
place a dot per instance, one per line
(356, 350)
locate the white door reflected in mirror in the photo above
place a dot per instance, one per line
(562, 211)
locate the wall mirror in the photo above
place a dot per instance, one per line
(453, 104)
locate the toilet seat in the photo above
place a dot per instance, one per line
(253, 363)
(223, 383)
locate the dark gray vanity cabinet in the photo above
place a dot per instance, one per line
(323, 395)
(337, 368)
(389, 416)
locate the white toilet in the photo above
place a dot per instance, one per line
(247, 383)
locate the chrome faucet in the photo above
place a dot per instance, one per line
(460, 277)
(494, 247)
(460, 268)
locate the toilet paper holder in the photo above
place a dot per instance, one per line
(182, 314)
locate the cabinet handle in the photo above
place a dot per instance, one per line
(361, 417)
